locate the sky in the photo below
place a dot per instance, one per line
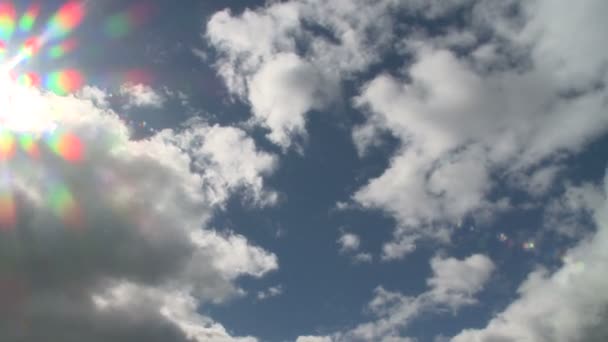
(303, 171)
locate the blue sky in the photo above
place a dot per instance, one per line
(301, 170)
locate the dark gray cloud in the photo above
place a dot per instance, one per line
(110, 242)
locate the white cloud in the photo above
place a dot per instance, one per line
(228, 160)
(98, 96)
(271, 292)
(454, 281)
(453, 284)
(363, 258)
(539, 181)
(109, 236)
(141, 95)
(282, 91)
(284, 68)
(566, 305)
(314, 339)
(349, 242)
(463, 118)
(567, 214)
(575, 57)
(460, 122)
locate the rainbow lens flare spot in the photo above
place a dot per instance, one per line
(7, 145)
(68, 146)
(29, 144)
(138, 76)
(8, 212)
(120, 24)
(29, 79)
(7, 20)
(27, 21)
(64, 82)
(31, 47)
(60, 50)
(62, 203)
(529, 246)
(66, 19)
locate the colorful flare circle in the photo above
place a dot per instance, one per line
(62, 203)
(120, 24)
(138, 76)
(60, 50)
(7, 20)
(7, 145)
(31, 47)
(8, 213)
(67, 19)
(64, 82)
(68, 146)
(29, 145)
(29, 79)
(27, 21)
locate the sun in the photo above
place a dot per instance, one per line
(21, 106)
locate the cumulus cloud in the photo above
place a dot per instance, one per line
(453, 284)
(472, 105)
(141, 95)
(228, 160)
(349, 242)
(568, 304)
(454, 281)
(287, 59)
(271, 292)
(349, 245)
(282, 91)
(568, 214)
(314, 339)
(106, 238)
(539, 182)
(461, 121)
(363, 258)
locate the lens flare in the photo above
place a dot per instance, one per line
(62, 203)
(66, 19)
(60, 50)
(8, 212)
(30, 47)
(29, 144)
(29, 79)
(120, 24)
(64, 82)
(528, 246)
(7, 145)
(502, 237)
(67, 145)
(138, 76)
(7, 20)
(28, 20)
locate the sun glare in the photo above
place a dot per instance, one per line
(21, 109)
